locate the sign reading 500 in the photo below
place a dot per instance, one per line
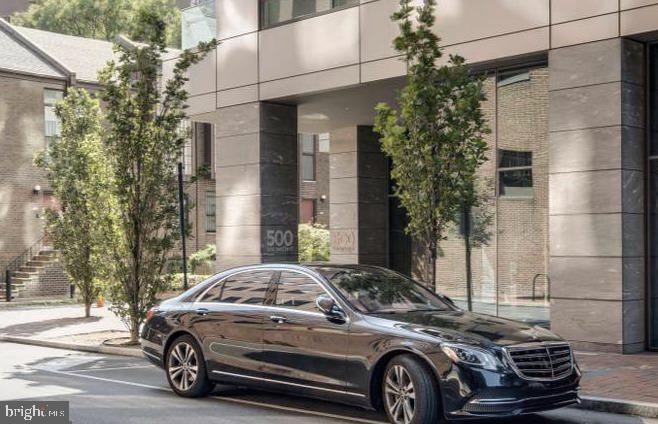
(279, 241)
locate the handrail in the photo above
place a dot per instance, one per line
(18, 261)
(547, 291)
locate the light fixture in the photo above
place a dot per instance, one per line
(323, 197)
(37, 189)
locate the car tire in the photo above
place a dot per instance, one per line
(185, 367)
(409, 392)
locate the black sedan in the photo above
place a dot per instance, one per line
(357, 334)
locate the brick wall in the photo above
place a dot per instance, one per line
(314, 190)
(51, 281)
(21, 136)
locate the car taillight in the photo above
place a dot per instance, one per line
(150, 314)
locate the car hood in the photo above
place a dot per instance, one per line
(465, 327)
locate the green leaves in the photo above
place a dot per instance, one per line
(102, 19)
(144, 138)
(85, 223)
(435, 138)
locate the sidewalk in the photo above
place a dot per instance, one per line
(611, 382)
(624, 377)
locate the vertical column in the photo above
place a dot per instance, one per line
(358, 205)
(596, 208)
(257, 186)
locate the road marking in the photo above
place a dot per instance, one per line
(225, 399)
(299, 410)
(112, 368)
(111, 380)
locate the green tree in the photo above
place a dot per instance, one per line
(144, 143)
(100, 19)
(435, 139)
(81, 179)
(313, 243)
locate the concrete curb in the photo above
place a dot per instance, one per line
(110, 350)
(619, 406)
(592, 403)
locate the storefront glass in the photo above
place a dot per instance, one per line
(508, 232)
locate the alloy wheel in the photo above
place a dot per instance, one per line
(183, 366)
(400, 395)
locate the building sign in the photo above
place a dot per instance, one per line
(343, 242)
(279, 242)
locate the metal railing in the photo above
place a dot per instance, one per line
(16, 264)
(547, 290)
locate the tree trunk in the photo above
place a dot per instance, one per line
(467, 256)
(87, 309)
(431, 283)
(134, 331)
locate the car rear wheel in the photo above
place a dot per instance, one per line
(186, 368)
(409, 392)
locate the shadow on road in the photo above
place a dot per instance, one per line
(31, 328)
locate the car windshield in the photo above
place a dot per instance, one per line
(377, 291)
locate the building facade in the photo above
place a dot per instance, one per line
(36, 69)
(566, 232)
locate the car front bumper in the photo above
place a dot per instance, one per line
(470, 393)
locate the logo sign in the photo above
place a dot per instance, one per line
(34, 412)
(279, 241)
(343, 241)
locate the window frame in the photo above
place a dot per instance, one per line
(500, 170)
(211, 194)
(50, 105)
(312, 156)
(261, 17)
(199, 297)
(345, 306)
(288, 308)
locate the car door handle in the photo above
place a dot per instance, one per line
(202, 311)
(278, 319)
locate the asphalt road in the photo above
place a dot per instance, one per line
(113, 389)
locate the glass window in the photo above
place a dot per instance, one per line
(53, 127)
(378, 290)
(498, 264)
(211, 212)
(515, 173)
(186, 152)
(277, 11)
(246, 288)
(308, 156)
(297, 291)
(198, 23)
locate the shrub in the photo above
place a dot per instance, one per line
(313, 243)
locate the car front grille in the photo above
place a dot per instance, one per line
(541, 361)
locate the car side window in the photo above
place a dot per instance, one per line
(297, 291)
(245, 287)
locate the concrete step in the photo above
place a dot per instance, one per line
(38, 264)
(20, 280)
(48, 252)
(30, 269)
(44, 258)
(24, 274)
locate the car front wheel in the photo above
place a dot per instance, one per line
(409, 391)
(186, 368)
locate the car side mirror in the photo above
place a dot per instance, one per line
(326, 304)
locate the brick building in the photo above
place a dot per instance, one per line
(36, 69)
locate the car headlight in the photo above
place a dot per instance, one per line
(470, 355)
